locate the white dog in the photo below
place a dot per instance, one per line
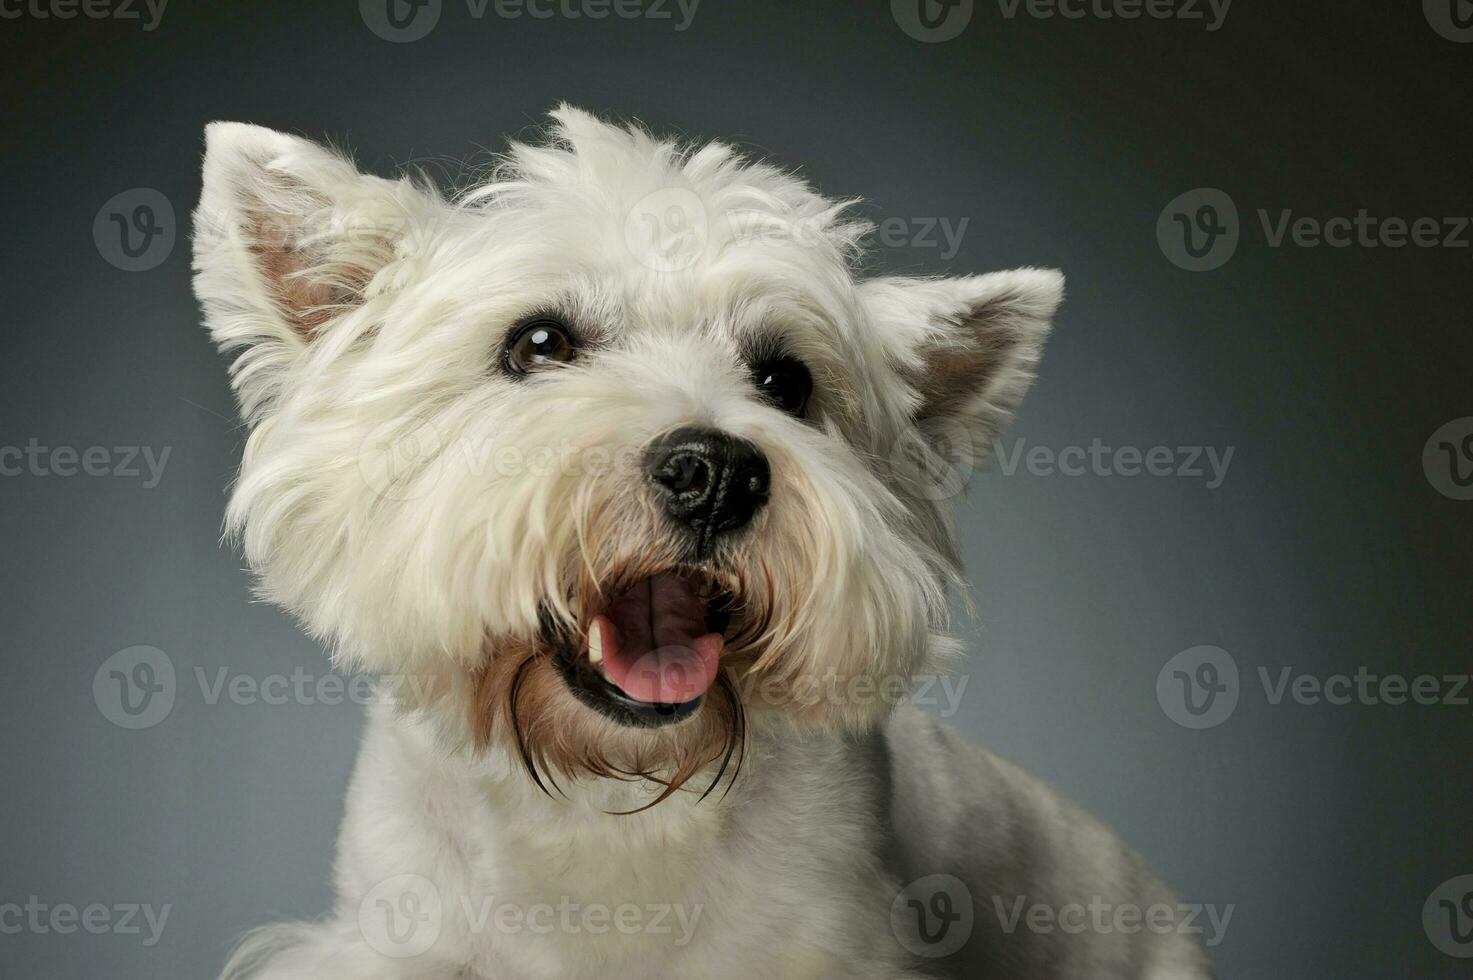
(626, 479)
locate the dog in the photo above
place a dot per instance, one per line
(633, 487)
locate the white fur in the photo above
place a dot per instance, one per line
(415, 563)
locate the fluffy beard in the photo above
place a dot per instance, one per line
(521, 699)
(521, 695)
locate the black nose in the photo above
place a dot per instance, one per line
(708, 481)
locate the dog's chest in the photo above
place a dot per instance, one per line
(779, 880)
(613, 898)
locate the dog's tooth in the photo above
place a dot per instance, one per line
(595, 644)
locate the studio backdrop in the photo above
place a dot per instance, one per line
(1220, 565)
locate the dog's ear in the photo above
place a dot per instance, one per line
(288, 236)
(969, 346)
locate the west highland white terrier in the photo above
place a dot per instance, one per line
(633, 488)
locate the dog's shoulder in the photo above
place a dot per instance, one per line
(967, 803)
(953, 791)
(1004, 839)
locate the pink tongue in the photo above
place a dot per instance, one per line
(654, 642)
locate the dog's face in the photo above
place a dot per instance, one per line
(618, 440)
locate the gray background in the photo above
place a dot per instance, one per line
(1325, 549)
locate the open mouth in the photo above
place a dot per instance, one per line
(649, 657)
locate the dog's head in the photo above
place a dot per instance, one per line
(619, 437)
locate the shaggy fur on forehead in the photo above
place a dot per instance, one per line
(595, 171)
(756, 251)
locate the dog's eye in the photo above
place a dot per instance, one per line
(786, 383)
(538, 344)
